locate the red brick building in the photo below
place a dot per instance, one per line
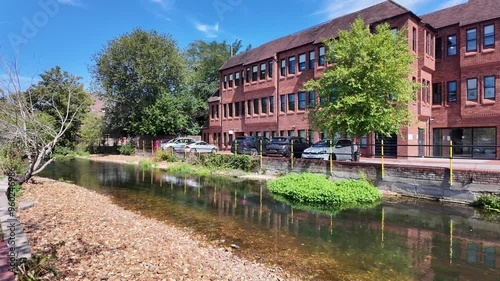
(261, 89)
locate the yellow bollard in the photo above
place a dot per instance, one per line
(235, 147)
(152, 148)
(383, 159)
(260, 153)
(451, 163)
(291, 154)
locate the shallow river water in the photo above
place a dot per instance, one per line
(401, 239)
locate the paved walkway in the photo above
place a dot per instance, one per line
(14, 241)
(467, 164)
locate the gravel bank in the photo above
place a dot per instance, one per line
(105, 242)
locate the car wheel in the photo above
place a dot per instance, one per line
(214, 151)
(254, 152)
(193, 150)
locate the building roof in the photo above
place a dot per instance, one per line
(464, 14)
(385, 10)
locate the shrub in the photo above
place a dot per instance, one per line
(488, 201)
(127, 149)
(146, 165)
(188, 169)
(167, 156)
(317, 189)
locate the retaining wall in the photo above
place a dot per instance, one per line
(417, 181)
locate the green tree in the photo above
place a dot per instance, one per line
(368, 88)
(133, 73)
(50, 96)
(91, 132)
(204, 59)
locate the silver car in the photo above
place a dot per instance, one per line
(177, 144)
(200, 147)
(340, 150)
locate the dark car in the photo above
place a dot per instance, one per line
(249, 145)
(283, 146)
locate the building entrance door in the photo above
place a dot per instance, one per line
(421, 142)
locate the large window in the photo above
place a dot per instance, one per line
(489, 36)
(321, 57)
(282, 103)
(489, 87)
(302, 100)
(291, 102)
(312, 99)
(256, 106)
(270, 68)
(471, 40)
(452, 45)
(477, 142)
(264, 105)
(302, 62)
(271, 104)
(436, 93)
(283, 67)
(254, 73)
(472, 89)
(262, 71)
(452, 91)
(311, 60)
(291, 65)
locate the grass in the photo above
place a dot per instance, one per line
(317, 192)
(488, 202)
(189, 169)
(146, 165)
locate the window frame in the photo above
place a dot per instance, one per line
(230, 109)
(263, 71)
(469, 40)
(263, 105)
(270, 68)
(471, 89)
(488, 36)
(451, 98)
(302, 99)
(256, 106)
(291, 65)
(247, 76)
(283, 67)
(230, 80)
(302, 64)
(312, 59)
(237, 109)
(437, 94)
(237, 78)
(249, 107)
(485, 87)
(225, 82)
(451, 48)
(321, 57)
(438, 48)
(414, 39)
(291, 102)
(282, 103)
(271, 104)
(254, 73)
(311, 99)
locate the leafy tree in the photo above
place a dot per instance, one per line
(91, 131)
(134, 72)
(50, 96)
(204, 59)
(367, 90)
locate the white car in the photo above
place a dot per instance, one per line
(177, 144)
(340, 150)
(200, 147)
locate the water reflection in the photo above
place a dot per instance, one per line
(398, 240)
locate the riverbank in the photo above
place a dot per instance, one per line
(102, 241)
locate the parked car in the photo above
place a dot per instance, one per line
(340, 150)
(158, 144)
(200, 147)
(283, 146)
(249, 145)
(177, 144)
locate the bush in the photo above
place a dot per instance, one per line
(167, 156)
(146, 165)
(127, 149)
(316, 189)
(228, 161)
(488, 201)
(188, 169)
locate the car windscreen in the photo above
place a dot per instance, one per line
(323, 143)
(279, 140)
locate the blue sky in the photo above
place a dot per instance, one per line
(46, 33)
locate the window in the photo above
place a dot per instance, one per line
(262, 71)
(291, 133)
(282, 133)
(394, 31)
(472, 89)
(264, 105)
(237, 109)
(248, 75)
(452, 91)
(237, 79)
(471, 40)
(489, 87)
(311, 136)
(439, 45)
(452, 45)
(271, 104)
(225, 111)
(267, 134)
(302, 62)
(249, 104)
(414, 40)
(436, 93)
(312, 99)
(217, 111)
(282, 103)
(302, 100)
(427, 43)
(270, 68)
(254, 73)
(291, 102)
(225, 81)
(231, 80)
(230, 107)
(489, 36)
(291, 65)
(213, 111)
(321, 57)
(256, 106)
(428, 89)
(242, 108)
(302, 134)
(311, 60)
(283, 67)
(274, 134)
